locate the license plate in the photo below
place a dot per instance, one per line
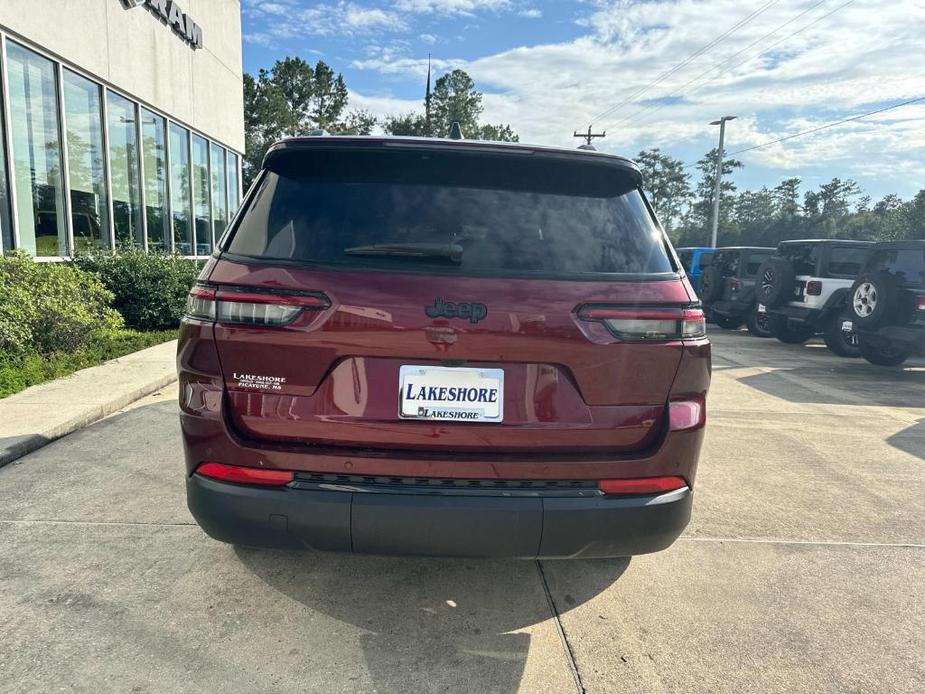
(451, 394)
(762, 308)
(847, 326)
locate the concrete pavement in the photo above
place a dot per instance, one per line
(802, 569)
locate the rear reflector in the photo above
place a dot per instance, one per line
(686, 414)
(248, 306)
(642, 485)
(814, 288)
(641, 324)
(245, 475)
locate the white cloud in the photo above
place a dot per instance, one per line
(290, 19)
(428, 38)
(451, 7)
(531, 13)
(849, 62)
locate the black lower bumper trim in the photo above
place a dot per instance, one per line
(438, 525)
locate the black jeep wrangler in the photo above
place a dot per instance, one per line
(727, 288)
(887, 303)
(804, 290)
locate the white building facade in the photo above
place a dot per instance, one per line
(121, 124)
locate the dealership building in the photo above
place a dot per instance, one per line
(121, 124)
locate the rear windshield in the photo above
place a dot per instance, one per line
(727, 262)
(754, 262)
(803, 256)
(907, 264)
(512, 215)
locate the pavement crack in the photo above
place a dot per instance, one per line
(560, 629)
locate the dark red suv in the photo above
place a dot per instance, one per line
(451, 348)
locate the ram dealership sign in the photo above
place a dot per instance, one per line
(171, 13)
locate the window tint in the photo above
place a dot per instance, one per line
(727, 262)
(804, 257)
(754, 262)
(510, 215)
(846, 261)
(123, 158)
(907, 264)
(36, 153)
(89, 206)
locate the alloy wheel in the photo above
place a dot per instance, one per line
(865, 299)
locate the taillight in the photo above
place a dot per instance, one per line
(245, 475)
(922, 303)
(735, 285)
(814, 288)
(642, 485)
(648, 323)
(249, 306)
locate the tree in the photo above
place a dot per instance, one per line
(787, 198)
(665, 183)
(454, 98)
(293, 98)
(698, 219)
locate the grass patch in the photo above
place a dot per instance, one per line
(20, 372)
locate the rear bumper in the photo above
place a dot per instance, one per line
(438, 525)
(797, 314)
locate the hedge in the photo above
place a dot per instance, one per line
(150, 289)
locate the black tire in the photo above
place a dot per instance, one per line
(728, 323)
(775, 282)
(873, 299)
(711, 285)
(790, 335)
(841, 342)
(883, 354)
(758, 324)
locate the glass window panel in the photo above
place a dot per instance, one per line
(36, 152)
(87, 180)
(180, 200)
(123, 161)
(202, 201)
(154, 149)
(6, 222)
(234, 196)
(219, 191)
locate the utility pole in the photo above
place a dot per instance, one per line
(588, 136)
(719, 175)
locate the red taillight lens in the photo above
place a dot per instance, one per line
(648, 323)
(245, 475)
(735, 285)
(814, 288)
(642, 485)
(922, 303)
(687, 414)
(248, 306)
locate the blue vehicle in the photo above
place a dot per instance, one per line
(692, 259)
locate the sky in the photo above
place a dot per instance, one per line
(651, 73)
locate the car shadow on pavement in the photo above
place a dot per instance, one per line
(846, 382)
(432, 624)
(910, 440)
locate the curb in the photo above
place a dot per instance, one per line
(14, 447)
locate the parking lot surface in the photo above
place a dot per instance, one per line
(803, 568)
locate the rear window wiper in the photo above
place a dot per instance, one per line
(448, 251)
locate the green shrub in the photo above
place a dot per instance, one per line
(50, 307)
(150, 288)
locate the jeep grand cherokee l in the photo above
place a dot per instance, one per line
(429, 347)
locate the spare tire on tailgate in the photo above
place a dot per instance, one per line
(873, 299)
(775, 281)
(711, 284)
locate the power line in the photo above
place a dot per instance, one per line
(828, 125)
(668, 73)
(724, 62)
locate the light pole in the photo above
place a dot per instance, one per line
(719, 174)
